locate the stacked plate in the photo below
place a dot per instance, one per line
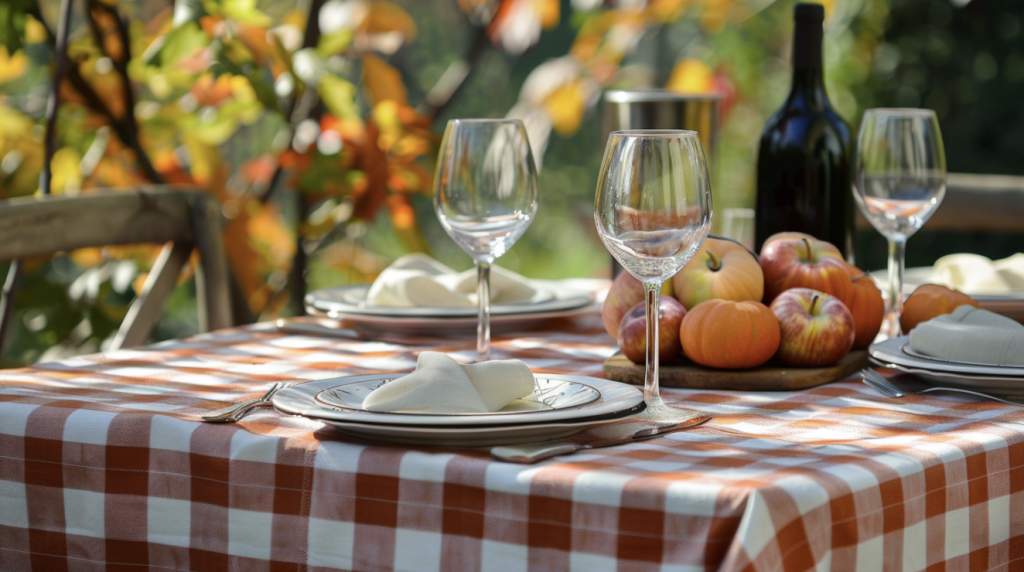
(553, 299)
(1001, 380)
(560, 405)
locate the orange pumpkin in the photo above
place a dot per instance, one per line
(929, 301)
(864, 300)
(730, 335)
(723, 270)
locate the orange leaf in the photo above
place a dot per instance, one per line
(382, 81)
(388, 17)
(690, 76)
(373, 163)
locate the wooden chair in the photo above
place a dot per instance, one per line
(186, 219)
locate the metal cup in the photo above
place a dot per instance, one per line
(659, 109)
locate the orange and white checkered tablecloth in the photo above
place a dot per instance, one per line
(104, 466)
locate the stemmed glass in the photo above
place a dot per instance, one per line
(899, 181)
(653, 212)
(485, 195)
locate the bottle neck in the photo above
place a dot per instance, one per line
(808, 89)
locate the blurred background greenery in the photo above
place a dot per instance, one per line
(321, 142)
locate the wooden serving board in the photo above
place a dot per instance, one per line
(768, 377)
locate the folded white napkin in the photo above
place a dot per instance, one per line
(976, 274)
(419, 280)
(442, 385)
(971, 335)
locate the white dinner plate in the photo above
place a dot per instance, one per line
(559, 298)
(573, 403)
(893, 351)
(351, 300)
(1001, 386)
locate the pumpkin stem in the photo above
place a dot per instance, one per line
(734, 241)
(814, 301)
(810, 254)
(856, 278)
(714, 263)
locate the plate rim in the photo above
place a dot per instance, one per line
(298, 400)
(577, 299)
(890, 351)
(489, 413)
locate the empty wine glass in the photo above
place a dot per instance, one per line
(653, 212)
(485, 195)
(899, 181)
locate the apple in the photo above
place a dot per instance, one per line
(633, 330)
(626, 292)
(786, 236)
(817, 329)
(801, 262)
(721, 270)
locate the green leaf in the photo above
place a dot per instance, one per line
(12, 23)
(339, 96)
(334, 43)
(180, 43)
(264, 91)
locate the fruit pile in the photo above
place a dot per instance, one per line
(800, 304)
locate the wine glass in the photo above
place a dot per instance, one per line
(485, 195)
(899, 181)
(653, 212)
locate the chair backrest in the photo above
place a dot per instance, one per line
(187, 219)
(976, 203)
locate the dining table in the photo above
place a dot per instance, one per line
(105, 464)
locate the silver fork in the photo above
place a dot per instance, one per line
(234, 413)
(878, 382)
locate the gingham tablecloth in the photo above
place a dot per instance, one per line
(104, 466)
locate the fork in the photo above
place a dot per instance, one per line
(234, 413)
(882, 385)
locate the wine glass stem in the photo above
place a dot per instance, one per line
(651, 394)
(897, 253)
(483, 294)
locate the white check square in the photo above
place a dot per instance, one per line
(169, 521)
(249, 533)
(83, 513)
(330, 543)
(13, 505)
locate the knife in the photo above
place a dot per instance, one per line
(604, 435)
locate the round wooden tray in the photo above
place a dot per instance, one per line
(769, 377)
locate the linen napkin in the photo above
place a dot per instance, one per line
(976, 274)
(419, 280)
(442, 385)
(972, 335)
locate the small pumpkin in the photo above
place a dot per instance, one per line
(929, 301)
(864, 300)
(730, 335)
(723, 270)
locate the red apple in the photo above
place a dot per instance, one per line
(626, 292)
(633, 330)
(817, 329)
(801, 262)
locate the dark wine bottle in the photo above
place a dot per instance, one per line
(803, 162)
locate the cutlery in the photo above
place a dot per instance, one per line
(882, 385)
(234, 413)
(604, 435)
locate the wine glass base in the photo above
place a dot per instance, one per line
(658, 410)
